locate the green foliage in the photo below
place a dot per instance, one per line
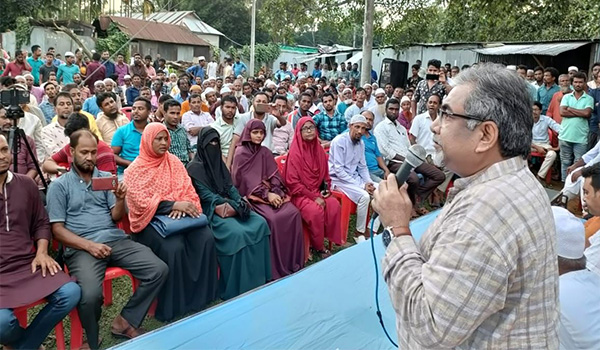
(116, 41)
(12, 9)
(23, 31)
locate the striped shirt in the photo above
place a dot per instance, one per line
(484, 275)
(180, 145)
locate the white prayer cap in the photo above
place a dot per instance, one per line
(511, 67)
(573, 68)
(172, 75)
(108, 80)
(225, 90)
(98, 82)
(28, 75)
(69, 53)
(592, 254)
(367, 86)
(529, 71)
(358, 119)
(127, 76)
(208, 91)
(404, 99)
(346, 90)
(379, 91)
(570, 234)
(201, 58)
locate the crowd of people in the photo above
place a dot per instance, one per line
(210, 141)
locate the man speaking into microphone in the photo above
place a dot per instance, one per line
(484, 274)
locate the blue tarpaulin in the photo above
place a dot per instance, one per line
(329, 305)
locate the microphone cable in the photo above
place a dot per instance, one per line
(377, 284)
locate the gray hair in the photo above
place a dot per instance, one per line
(500, 96)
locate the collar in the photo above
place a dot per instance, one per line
(9, 177)
(76, 174)
(496, 170)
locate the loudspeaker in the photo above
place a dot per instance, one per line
(393, 72)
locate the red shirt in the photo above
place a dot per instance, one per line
(13, 69)
(105, 159)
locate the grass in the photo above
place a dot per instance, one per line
(122, 293)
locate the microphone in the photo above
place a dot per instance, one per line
(414, 158)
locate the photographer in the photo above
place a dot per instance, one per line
(484, 274)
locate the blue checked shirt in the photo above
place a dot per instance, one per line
(180, 144)
(48, 110)
(330, 127)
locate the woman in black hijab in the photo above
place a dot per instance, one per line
(241, 236)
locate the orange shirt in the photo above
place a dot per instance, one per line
(185, 107)
(554, 107)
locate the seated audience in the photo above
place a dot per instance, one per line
(53, 134)
(180, 144)
(110, 118)
(358, 106)
(377, 168)
(305, 102)
(393, 142)
(158, 184)
(28, 272)
(579, 326)
(349, 172)
(158, 116)
(75, 93)
(61, 161)
(378, 106)
(307, 177)
(405, 118)
(540, 142)
(241, 236)
(420, 130)
(126, 140)
(330, 122)
(91, 104)
(47, 105)
(84, 221)
(195, 119)
(256, 176)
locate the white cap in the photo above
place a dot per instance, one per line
(201, 58)
(529, 71)
(379, 91)
(511, 67)
(208, 91)
(573, 68)
(358, 119)
(570, 234)
(225, 90)
(69, 53)
(592, 254)
(127, 76)
(346, 90)
(404, 99)
(367, 86)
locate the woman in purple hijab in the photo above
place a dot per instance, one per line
(256, 176)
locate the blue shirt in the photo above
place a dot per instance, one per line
(66, 73)
(595, 117)
(330, 127)
(373, 76)
(316, 73)
(371, 151)
(128, 138)
(84, 212)
(238, 67)
(35, 68)
(196, 71)
(48, 110)
(91, 106)
(131, 94)
(110, 68)
(544, 96)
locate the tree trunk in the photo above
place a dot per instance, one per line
(75, 38)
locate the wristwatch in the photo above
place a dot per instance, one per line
(391, 232)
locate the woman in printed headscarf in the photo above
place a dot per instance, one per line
(307, 176)
(241, 236)
(257, 177)
(158, 184)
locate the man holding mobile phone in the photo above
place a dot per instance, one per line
(432, 85)
(84, 221)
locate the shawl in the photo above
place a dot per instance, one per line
(151, 179)
(252, 164)
(306, 163)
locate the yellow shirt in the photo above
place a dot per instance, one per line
(92, 121)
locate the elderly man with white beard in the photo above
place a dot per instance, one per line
(378, 109)
(484, 274)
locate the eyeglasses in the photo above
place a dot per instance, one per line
(445, 113)
(308, 128)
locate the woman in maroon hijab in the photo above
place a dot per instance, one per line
(307, 176)
(256, 176)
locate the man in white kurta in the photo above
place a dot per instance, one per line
(349, 172)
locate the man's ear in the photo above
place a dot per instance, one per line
(489, 136)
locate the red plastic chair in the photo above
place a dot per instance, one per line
(21, 315)
(553, 142)
(127, 112)
(280, 160)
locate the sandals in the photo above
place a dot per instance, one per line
(560, 201)
(324, 254)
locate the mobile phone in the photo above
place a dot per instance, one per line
(105, 183)
(262, 107)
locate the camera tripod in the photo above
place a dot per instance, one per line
(15, 135)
